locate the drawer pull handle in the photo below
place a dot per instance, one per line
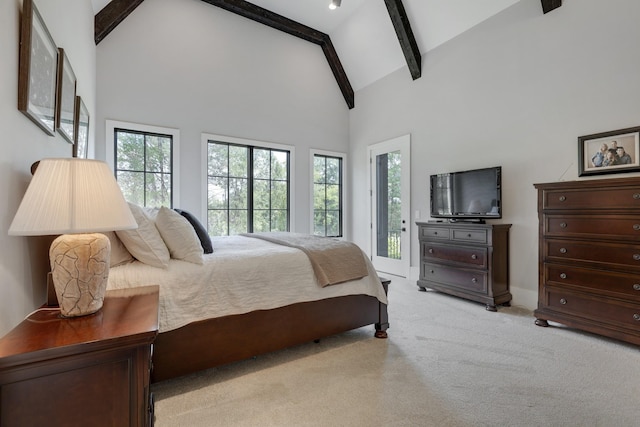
(430, 250)
(636, 317)
(636, 196)
(563, 225)
(474, 256)
(469, 235)
(435, 233)
(636, 286)
(563, 275)
(474, 280)
(636, 227)
(636, 257)
(431, 271)
(562, 198)
(563, 301)
(563, 250)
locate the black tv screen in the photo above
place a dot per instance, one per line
(467, 195)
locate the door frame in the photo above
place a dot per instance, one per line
(402, 143)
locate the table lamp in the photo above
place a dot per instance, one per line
(77, 198)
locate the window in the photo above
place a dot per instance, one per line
(248, 187)
(328, 194)
(144, 162)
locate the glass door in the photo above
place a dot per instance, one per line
(390, 205)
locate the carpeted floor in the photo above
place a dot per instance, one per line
(447, 362)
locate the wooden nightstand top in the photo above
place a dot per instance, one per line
(128, 317)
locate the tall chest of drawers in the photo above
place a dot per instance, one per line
(589, 256)
(466, 260)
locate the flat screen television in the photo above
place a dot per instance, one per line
(473, 195)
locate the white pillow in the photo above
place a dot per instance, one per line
(179, 236)
(119, 253)
(145, 243)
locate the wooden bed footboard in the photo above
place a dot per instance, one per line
(214, 342)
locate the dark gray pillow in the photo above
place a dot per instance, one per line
(205, 240)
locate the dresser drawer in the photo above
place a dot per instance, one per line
(457, 277)
(594, 307)
(475, 257)
(469, 235)
(592, 198)
(604, 282)
(615, 227)
(607, 255)
(434, 233)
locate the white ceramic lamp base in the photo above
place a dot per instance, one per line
(80, 269)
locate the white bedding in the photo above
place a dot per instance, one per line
(243, 274)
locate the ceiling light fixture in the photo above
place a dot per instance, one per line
(334, 4)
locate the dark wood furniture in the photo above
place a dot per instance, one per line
(589, 256)
(466, 260)
(82, 371)
(214, 342)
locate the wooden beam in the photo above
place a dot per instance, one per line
(111, 15)
(117, 10)
(338, 72)
(407, 41)
(549, 5)
(271, 19)
(289, 26)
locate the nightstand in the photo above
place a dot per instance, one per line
(87, 371)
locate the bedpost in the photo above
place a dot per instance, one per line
(383, 315)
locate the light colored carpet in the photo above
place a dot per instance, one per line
(447, 362)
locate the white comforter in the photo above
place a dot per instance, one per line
(241, 275)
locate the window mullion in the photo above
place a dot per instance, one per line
(250, 188)
(228, 189)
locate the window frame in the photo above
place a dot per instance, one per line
(345, 200)
(206, 137)
(112, 125)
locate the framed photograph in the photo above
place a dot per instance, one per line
(81, 146)
(37, 76)
(609, 152)
(66, 98)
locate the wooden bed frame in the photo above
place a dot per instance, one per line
(214, 342)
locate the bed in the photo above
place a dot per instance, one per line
(248, 297)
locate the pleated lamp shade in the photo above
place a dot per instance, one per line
(72, 195)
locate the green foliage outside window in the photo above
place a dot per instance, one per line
(143, 167)
(248, 189)
(327, 196)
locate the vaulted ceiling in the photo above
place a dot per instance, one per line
(363, 40)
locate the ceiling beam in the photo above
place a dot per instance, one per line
(279, 22)
(111, 15)
(407, 41)
(338, 72)
(549, 5)
(117, 10)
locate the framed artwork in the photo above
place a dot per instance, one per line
(37, 76)
(609, 152)
(66, 98)
(81, 146)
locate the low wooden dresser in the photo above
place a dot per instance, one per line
(83, 371)
(589, 256)
(467, 260)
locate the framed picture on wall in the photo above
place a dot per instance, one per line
(37, 77)
(81, 146)
(609, 152)
(66, 98)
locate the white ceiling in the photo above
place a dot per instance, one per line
(364, 37)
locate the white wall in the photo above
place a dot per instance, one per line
(23, 261)
(195, 67)
(516, 90)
